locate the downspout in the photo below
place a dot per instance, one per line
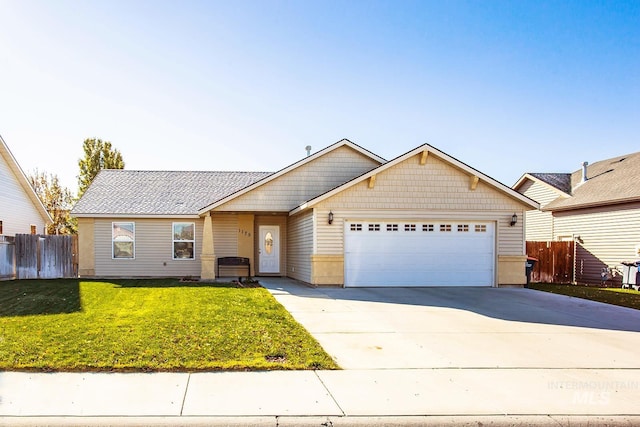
(208, 255)
(575, 257)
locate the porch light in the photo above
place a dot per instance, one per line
(514, 219)
(330, 217)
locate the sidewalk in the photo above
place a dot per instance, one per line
(353, 397)
(520, 359)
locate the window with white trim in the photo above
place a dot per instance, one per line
(409, 227)
(123, 240)
(355, 227)
(374, 227)
(427, 227)
(445, 227)
(392, 227)
(481, 228)
(463, 228)
(184, 240)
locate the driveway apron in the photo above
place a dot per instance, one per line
(422, 328)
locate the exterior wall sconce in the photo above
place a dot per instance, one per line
(514, 220)
(330, 217)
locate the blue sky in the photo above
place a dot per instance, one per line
(504, 86)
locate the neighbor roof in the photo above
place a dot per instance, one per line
(157, 193)
(611, 181)
(560, 181)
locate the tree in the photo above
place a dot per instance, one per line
(57, 200)
(98, 155)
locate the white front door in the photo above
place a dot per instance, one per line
(269, 249)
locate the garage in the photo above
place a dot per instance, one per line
(425, 253)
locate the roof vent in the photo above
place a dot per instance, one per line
(584, 171)
(308, 148)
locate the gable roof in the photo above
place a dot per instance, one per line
(431, 151)
(158, 193)
(559, 181)
(178, 193)
(342, 143)
(22, 179)
(611, 181)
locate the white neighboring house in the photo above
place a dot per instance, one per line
(21, 211)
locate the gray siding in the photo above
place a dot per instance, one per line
(17, 211)
(300, 246)
(153, 250)
(605, 236)
(539, 224)
(225, 235)
(153, 247)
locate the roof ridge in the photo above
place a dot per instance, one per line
(177, 171)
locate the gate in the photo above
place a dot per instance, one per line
(7, 258)
(555, 261)
(46, 257)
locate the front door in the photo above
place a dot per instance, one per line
(269, 249)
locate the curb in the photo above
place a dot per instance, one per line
(330, 421)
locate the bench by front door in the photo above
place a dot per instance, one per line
(269, 249)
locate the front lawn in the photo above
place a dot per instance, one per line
(616, 296)
(149, 325)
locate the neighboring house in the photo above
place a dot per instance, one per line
(21, 212)
(341, 216)
(597, 206)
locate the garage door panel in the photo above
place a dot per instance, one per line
(419, 254)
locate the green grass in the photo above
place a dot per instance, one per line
(616, 296)
(149, 325)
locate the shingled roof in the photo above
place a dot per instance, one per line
(611, 181)
(149, 193)
(561, 181)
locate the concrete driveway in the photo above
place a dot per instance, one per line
(419, 328)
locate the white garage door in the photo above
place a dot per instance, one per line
(438, 253)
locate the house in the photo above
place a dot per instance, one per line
(341, 216)
(21, 211)
(597, 206)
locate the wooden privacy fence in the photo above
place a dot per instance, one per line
(555, 261)
(46, 257)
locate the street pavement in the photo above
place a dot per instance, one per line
(434, 356)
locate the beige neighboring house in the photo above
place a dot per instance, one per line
(342, 216)
(597, 206)
(21, 212)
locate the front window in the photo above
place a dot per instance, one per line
(184, 240)
(123, 237)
